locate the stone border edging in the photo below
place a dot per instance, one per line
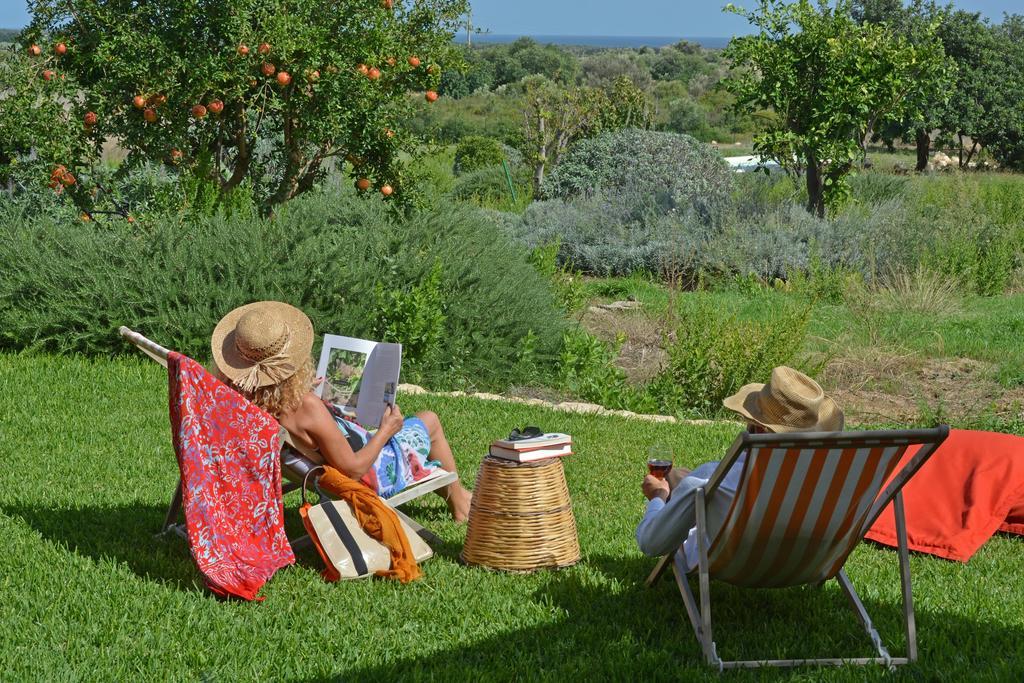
(564, 406)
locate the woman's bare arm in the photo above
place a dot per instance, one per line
(323, 431)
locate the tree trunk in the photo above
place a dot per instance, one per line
(815, 189)
(970, 155)
(541, 160)
(924, 146)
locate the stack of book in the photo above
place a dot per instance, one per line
(536, 448)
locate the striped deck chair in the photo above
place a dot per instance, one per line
(804, 501)
(296, 462)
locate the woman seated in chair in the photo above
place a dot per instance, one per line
(263, 350)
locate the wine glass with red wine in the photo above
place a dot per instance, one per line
(659, 460)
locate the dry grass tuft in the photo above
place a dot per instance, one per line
(922, 291)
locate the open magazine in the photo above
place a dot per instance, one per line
(360, 376)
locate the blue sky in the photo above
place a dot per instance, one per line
(702, 18)
(597, 17)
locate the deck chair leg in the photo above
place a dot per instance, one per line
(909, 623)
(862, 615)
(301, 543)
(175, 508)
(424, 533)
(663, 563)
(692, 611)
(710, 651)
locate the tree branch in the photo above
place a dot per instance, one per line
(243, 158)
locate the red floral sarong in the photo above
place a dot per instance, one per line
(228, 452)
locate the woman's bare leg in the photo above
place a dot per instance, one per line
(456, 495)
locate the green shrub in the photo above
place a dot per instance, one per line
(871, 188)
(618, 234)
(488, 187)
(976, 229)
(683, 174)
(712, 354)
(415, 315)
(824, 283)
(111, 193)
(475, 152)
(446, 283)
(489, 114)
(980, 255)
(587, 370)
(566, 281)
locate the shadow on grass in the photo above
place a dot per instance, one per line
(613, 628)
(130, 535)
(126, 534)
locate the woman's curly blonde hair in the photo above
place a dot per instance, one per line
(285, 396)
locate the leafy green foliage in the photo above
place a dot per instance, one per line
(39, 132)
(566, 280)
(833, 78)
(494, 115)
(927, 99)
(587, 370)
(712, 354)
(475, 152)
(412, 315)
(246, 91)
(986, 90)
(556, 117)
(488, 187)
(477, 75)
(603, 68)
(671, 88)
(438, 282)
(680, 62)
(525, 57)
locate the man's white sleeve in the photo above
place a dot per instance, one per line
(666, 525)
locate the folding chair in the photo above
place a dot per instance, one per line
(296, 461)
(804, 501)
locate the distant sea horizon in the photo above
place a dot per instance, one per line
(709, 42)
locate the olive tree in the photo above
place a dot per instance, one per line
(917, 20)
(830, 81)
(554, 117)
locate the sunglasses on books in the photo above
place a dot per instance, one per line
(525, 433)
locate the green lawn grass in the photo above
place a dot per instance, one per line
(88, 593)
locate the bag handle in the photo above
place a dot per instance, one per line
(316, 484)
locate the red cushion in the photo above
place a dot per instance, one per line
(971, 487)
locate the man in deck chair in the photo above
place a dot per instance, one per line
(790, 402)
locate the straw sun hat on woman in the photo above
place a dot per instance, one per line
(790, 402)
(261, 344)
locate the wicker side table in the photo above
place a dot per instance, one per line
(521, 517)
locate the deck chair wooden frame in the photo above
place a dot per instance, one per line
(767, 453)
(294, 465)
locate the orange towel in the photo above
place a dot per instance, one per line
(377, 520)
(971, 487)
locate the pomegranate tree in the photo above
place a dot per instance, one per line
(150, 73)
